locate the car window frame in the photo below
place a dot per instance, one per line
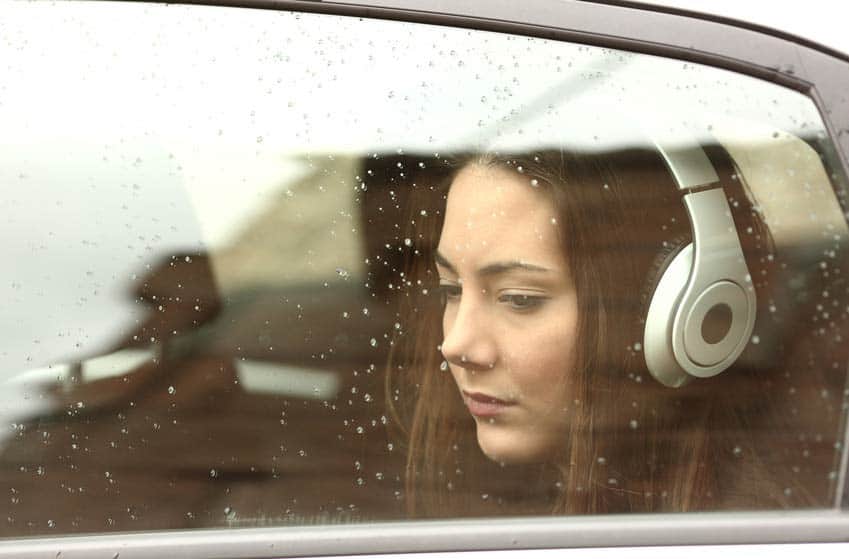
(802, 66)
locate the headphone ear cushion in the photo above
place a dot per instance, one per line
(659, 265)
(673, 271)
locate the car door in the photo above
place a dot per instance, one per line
(240, 323)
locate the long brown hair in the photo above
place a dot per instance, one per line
(634, 445)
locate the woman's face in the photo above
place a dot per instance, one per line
(510, 314)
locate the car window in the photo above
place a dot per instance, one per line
(283, 269)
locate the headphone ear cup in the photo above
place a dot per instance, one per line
(659, 265)
(671, 271)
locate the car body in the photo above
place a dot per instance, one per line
(141, 306)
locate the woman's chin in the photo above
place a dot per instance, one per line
(500, 445)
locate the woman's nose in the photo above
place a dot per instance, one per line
(468, 341)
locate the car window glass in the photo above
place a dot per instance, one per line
(268, 268)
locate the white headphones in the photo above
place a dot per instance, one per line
(702, 311)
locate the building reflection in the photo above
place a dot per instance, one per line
(251, 393)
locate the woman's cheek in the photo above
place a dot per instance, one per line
(546, 359)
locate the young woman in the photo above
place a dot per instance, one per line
(522, 388)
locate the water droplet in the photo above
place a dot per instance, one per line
(443, 366)
(534, 183)
(756, 339)
(171, 390)
(737, 452)
(633, 424)
(373, 342)
(213, 473)
(408, 242)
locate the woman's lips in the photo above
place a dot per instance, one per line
(483, 405)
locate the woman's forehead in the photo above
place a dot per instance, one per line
(494, 191)
(494, 213)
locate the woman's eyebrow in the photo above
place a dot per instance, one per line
(494, 268)
(503, 267)
(443, 262)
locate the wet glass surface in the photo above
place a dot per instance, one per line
(221, 305)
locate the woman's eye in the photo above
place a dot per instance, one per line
(522, 302)
(449, 292)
